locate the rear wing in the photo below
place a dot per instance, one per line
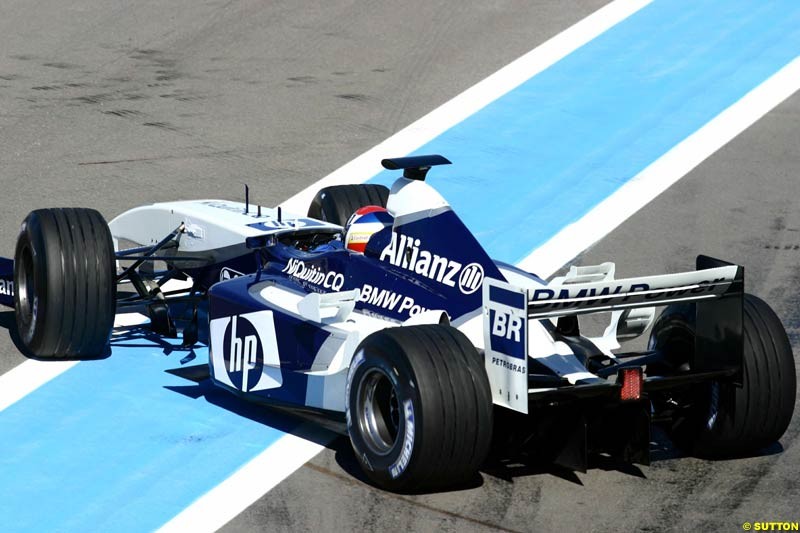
(716, 286)
(578, 298)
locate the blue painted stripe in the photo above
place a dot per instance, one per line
(121, 445)
(545, 154)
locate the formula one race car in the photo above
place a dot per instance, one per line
(381, 311)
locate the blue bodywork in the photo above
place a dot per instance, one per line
(428, 263)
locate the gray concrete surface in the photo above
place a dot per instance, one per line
(113, 104)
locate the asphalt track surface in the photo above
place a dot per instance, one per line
(111, 105)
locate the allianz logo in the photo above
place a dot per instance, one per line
(313, 274)
(407, 252)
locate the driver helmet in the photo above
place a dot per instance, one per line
(363, 224)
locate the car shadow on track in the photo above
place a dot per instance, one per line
(333, 437)
(267, 416)
(662, 449)
(347, 461)
(9, 322)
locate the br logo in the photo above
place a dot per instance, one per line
(506, 326)
(243, 353)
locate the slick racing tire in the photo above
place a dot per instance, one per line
(419, 409)
(719, 419)
(64, 270)
(336, 203)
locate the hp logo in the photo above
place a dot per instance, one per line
(471, 278)
(243, 353)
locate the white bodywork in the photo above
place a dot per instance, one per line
(210, 225)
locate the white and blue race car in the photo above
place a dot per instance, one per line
(415, 343)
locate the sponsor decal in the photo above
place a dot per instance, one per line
(408, 253)
(389, 300)
(506, 333)
(273, 224)
(6, 287)
(509, 365)
(313, 274)
(229, 273)
(506, 326)
(471, 278)
(408, 442)
(244, 351)
(546, 298)
(505, 329)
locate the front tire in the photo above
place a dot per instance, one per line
(719, 419)
(64, 270)
(419, 409)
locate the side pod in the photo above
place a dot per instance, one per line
(6, 282)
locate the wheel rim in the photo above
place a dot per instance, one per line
(378, 411)
(25, 286)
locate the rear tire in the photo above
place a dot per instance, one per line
(720, 419)
(419, 409)
(336, 203)
(64, 274)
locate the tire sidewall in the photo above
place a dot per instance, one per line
(390, 469)
(31, 325)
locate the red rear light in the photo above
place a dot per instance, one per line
(631, 379)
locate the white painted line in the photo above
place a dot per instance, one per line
(470, 101)
(663, 172)
(27, 377)
(222, 503)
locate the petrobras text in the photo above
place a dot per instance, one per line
(313, 274)
(509, 365)
(389, 300)
(407, 252)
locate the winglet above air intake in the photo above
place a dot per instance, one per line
(415, 167)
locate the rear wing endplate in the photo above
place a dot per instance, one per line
(505, 330)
